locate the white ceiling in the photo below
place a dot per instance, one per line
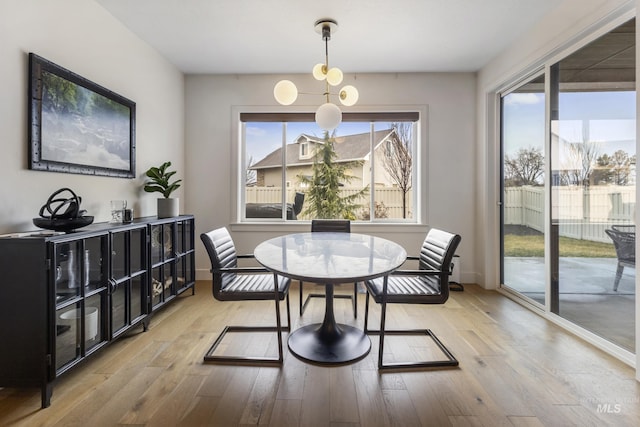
(277, 36)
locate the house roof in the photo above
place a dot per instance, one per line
(348, 148)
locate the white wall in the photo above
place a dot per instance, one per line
(449, 183)
(83, 37)
(569, 22)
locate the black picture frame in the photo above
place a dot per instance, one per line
(77, 126)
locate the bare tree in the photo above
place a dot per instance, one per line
(581, 161)
(397, 159)
(525, 168)
(251, 175)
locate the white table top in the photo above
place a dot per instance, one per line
(330, 257)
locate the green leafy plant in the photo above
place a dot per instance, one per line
(159, 180)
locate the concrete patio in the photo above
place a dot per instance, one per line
(587, 297)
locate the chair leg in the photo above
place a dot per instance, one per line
(618, 277)
(239, 360)
(451, 361)
(303, 305)
(366, 312)
(354, 299)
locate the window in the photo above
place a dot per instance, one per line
(304, 150)
(366, 170)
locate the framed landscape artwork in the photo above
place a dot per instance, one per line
(77, 126)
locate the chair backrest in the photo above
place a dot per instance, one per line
(625, 244)
(298, 201)
(222, 253)
(331, 225)
(437, 253)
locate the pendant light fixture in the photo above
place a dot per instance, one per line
(328, 115)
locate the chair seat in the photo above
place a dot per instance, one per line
(253, 287)
(407, 289)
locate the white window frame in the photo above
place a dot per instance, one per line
(420, 184)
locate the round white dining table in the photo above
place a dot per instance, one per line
(330, 259)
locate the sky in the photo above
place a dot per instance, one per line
(611, 116)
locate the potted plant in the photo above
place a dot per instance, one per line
(159, 182)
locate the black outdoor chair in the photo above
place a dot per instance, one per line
(429, 284)
(231, 283)
(624, 241)
(335, 226)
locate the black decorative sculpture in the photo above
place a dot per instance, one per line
(62, 213)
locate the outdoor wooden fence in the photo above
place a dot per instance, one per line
(391, 197)
(581, 213)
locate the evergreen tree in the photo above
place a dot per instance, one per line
(323, 199)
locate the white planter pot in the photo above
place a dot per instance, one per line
(168, 208)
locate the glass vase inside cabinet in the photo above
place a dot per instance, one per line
(79, 268)
(68, 277)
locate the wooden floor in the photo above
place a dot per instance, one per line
(516, 369)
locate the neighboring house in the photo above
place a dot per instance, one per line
(350, 148)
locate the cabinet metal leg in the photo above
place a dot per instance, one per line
(46, 392)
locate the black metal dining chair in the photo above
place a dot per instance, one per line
(233, 283)
(624, 242)
(330, 226)
(429, 284)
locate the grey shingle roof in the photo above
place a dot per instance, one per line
(348, 148)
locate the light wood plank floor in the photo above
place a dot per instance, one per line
(516, 369)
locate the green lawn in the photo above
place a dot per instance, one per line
(533, 246)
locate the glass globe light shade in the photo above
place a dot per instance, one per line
(285, 92)
(328, 116)
(320, 71)
(334, 76)
(348, 95)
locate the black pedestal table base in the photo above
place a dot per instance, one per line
(328, 342)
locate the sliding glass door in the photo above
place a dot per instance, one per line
(588, 274)
(593, 186)
(523, 213)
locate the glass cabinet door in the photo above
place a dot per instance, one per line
(138, 272)
(81, 291)
(185, 254)
(127, 278)
(163, 256)
(118, 276)
(162, 244)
